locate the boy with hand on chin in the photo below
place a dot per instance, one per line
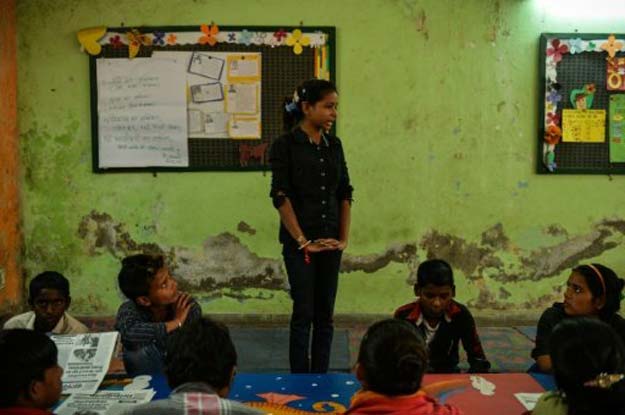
(442, 321)
(154, 310)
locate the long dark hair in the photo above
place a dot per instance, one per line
(581, 349)
(394, 357)
(311, 91)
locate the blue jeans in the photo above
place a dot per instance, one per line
(145, 361)
(313, 290)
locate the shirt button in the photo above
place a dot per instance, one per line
(323, 216)
(323, 173)
(323, 202)
(318, 148)
(321, 160)
(323, 188)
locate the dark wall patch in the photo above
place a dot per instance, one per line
(245, 228)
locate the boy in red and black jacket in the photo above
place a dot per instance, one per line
(442, 321)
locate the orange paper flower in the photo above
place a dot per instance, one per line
(171, 39)
(553, 134)
(612, 46)
(210, 34)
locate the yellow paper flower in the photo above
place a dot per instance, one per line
(297, 40)
(88, 39)
(135, 40)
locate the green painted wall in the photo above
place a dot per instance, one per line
(438, 117)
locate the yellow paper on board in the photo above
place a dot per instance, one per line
(583, 126)
(243, 67)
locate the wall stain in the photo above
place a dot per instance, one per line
(556, 229)
(412, 10)
(223, 266)
(243, 227)
(473, 259)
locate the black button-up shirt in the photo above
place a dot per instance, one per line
(315, 179)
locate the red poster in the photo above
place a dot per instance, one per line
(615, 77)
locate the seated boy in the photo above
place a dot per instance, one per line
(442, 321)
(155, 309)
(200, 366)
(30, 378)
(49, 299)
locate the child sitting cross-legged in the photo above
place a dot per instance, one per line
(30, 377)
(154, 309)
(200, 366)
(442, 321)
(391, 363)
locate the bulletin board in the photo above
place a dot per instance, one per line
(581, 104)
(196, 98)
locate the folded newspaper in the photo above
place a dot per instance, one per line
(85, 359)
(104, 402)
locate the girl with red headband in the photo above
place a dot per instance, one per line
(592, 290)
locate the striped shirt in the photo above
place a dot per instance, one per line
(193, 398)
(137, 329)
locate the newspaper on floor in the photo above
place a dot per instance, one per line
(104, 402)
(85, 359)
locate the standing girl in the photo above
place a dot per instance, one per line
(310, 188)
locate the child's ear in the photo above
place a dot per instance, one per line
(599, 302)
(453, 290)
(417, 291)
(68, 302)
(144, 301)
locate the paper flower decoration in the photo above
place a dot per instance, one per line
(553, 134)
(210, 34)
(135, 41)
(245, 37)
(297, 39)
(158, 38)
(172, 39)
(576, 45)
(88, 39)
(556, 50)
(551, 71)
(553, 118)
(280, 34)
(612, 46)
(592, 45)
(232, 37)
(550, 160)
(554, 97)
(116, 42)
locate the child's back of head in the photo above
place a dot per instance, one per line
(29, 374)
(392, 358)
(201, 351)
(581, 350)
(137, 273)
(436, 272)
